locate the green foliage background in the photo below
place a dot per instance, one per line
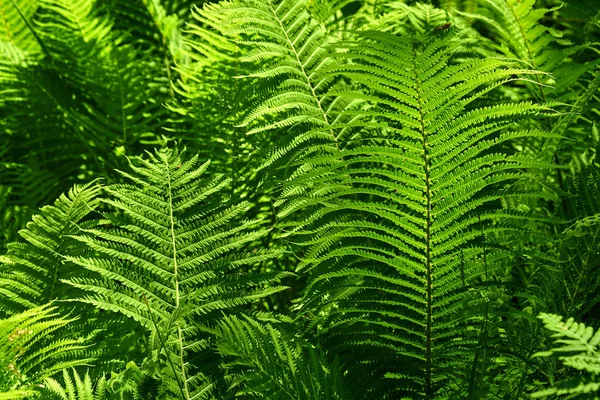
(299, 199)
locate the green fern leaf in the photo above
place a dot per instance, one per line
(31, 274)
(15, 19)
(578, 348)
(394, 233)
(31, 353)
(171, 254)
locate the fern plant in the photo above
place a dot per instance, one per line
(428, 170)
(396, 235)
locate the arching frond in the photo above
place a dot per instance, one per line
(31, 353)
(31, 275)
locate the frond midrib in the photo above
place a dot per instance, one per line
(428, 220)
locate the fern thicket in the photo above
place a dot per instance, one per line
(375, 199)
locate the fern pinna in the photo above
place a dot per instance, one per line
(171, 257)
(395, 237)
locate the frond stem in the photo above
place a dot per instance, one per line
(163, 344)
(185, 388)
(428, 265)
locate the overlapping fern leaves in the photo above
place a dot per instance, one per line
(288, 46)
(267, 361)
(404, 156)
(394, 239)
(30, 353)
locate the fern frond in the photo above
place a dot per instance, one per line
(171, 253)
(15, 15)
(517, 27)
(395, 225)
(31, 276)
(31, 352)
(289, 49)
(124, 385)
(580, 345)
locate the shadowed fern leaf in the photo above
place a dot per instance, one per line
(265, 361)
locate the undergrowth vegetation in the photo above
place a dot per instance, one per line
(299, 199)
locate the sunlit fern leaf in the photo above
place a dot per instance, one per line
(31, 352)
(394, 224)
(76, 15)
(150, 25)
(73, 386)
(402, 19)
(17, 394)
(32, 275)
(267, 361)
(172, 256)
(15, 15)
(288, 46)
(125, 385)
(577, 346)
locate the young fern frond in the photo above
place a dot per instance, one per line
(393, 225)
(578, 348)
(173, 257)
(266, 361)
(33, 269)
(30, 352)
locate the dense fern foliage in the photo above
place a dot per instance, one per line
(299, 199)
